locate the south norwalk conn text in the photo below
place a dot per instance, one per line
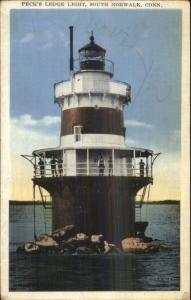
(91, 4)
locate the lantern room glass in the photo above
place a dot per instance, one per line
(92, 56)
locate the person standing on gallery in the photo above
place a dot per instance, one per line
(101, 166)
(53, 166)
(41, 166)
(110, 164)
(141, 167)
(60, 166)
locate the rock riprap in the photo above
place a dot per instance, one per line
(67, 241)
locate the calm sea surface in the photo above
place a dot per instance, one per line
(127, 272)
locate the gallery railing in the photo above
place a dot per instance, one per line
(91, 169)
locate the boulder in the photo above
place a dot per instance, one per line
(42, 236)
(97, 243)
(97, 238)
(82, 236)
(115, 249)
(84, 250)
(111, 248)
(137, 244)
(64, 233)
(42, 243)
(68, 246)
(107, 248)
(46, 241)
(67, 251)
(82, 240)
(31, 247)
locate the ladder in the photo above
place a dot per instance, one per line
(48, 219)
(47, 210)
(138, 205)
(137, 214)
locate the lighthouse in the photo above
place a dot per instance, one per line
(93, 177)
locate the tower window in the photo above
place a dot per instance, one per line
(77, 133)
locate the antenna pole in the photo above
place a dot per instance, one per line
(71, 49)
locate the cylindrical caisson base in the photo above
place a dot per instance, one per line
(95, 205)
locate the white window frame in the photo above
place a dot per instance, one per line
(77, 133)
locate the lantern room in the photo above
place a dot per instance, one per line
(92, 56)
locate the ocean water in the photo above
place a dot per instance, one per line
(125, 272)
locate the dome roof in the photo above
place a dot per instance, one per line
(92, 49)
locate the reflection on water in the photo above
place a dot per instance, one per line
(130, 272)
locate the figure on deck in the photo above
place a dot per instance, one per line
(101, 165)
(41, 166)
(141, 166)
(60, 166)
(110, 163)
(53, 166)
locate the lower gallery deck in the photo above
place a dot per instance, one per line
(95, 205)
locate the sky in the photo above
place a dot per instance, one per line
(145, 46)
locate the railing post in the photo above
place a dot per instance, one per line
(88, 163)
(113, 161)
(147, 167)
(134, 164)
(151, 166)
(35, 167)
